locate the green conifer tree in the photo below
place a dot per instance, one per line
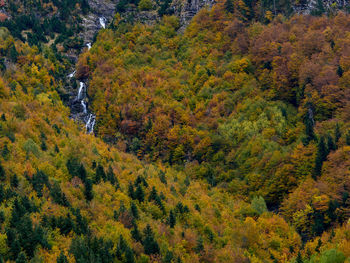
(62, 258)
(172, 219)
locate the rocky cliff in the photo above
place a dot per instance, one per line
(106, 9)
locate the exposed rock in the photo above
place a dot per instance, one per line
(91, 23)
(306, 7)
(186, 10)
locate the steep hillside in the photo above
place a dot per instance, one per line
(225, 141)
(256, 110)
(68, 197)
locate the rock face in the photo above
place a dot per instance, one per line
(100, 9)
(306, 7)
(187, 9)
(106, 9)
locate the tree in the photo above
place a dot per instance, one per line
(129, 255)
(58, 196)
(259, 205)
(2, 173)
(347, 138)
(149, 243)
(21, 258)
(199, 247)
(320, 157)
(337, 133)
(153, 194)
(309, 127)
(134, 211)
(340, 71)
(81, 172)
(140, 194)
(110, 175)
(14, 181)
(88, 190)
(62, 258)
(13, 53)
(299, 259)
(331, 146)
(5, 152)
(145, 5)
(43, 146)
(135, 233)
(172, 219)
(318, 10)
(100, 174)
(332, 256)
(131, 191)
(229, 7)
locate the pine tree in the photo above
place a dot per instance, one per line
(43, 146)
(88, 190)
(139, 194)
(129, 255)
(153, 194)
(134, 211)
(309, 130)
(319, 244)
(58, 196)
(320, 158)
(299, 259)
(57, 150)
(111, 176)
(5, 152)
(21, 258)
(13, 53)
(149, 243)
(131, 191)
(14, 181)
(172, 219)
(229, 7)
(81, 173)
(135, 233)
(2, 173)
(100, 174)
(2, 217)
(169, 256)
(340, 71)
(337, 133)
(62, 258)
(199, 247)
(330, 144)
(15, 248)
(347, 138)
(318, 9)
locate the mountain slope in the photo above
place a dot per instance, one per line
(66, 195)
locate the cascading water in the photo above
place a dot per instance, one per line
(103, 22)
(84, 106)
(79, 105)
(80, 91)
(90, 123)
(71, 75)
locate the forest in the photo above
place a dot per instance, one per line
(229, 142)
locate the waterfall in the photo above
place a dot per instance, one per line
(90, 123)
(103, 22)
(84, 106)
(81, 88)
(71, 75)
(79, 105)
